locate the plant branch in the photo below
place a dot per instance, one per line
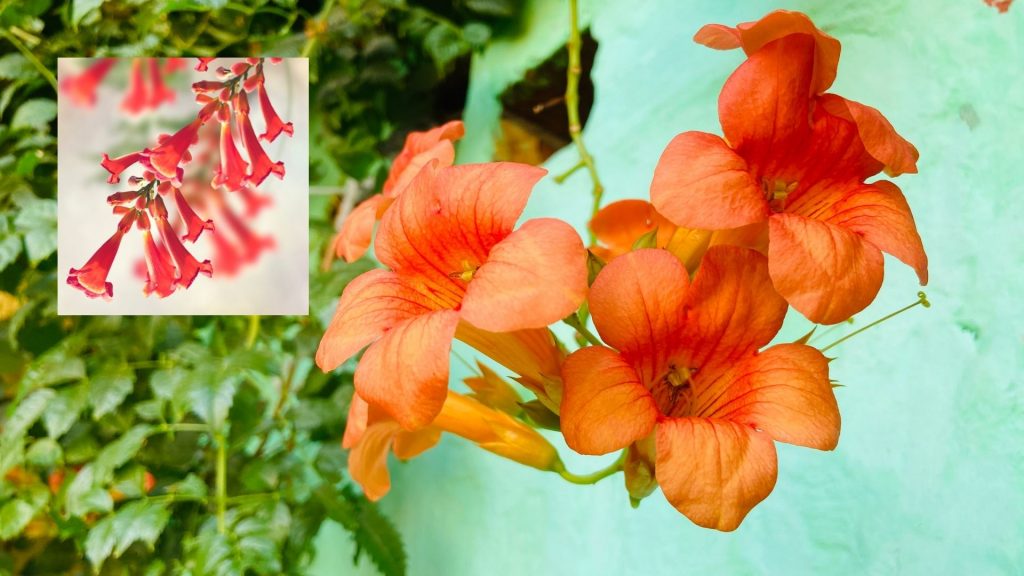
(572, 105)
(31, 58)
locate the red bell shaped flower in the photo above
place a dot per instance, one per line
(194, 225)
(160, 271)
(454, 256)
(233, 169)
(792, 170)
(136, 99)
(159, 92)
(118, 165)
(172, 153)
(188, 266)
(261, 165)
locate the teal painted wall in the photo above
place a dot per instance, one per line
(928, 477)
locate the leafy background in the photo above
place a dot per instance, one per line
(206, 445)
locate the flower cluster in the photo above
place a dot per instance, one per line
(685, 291)
(146, 87)
(169, 265)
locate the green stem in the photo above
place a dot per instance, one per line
(31, 58)
(222, 483)
(253, 331)
(922, 299)
(581, 328)
(572, 105)
(593, 477)
(183, 427)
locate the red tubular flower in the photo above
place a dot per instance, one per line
(454, 256)
(686, 367)
(136, 99)
(233, 168)
(794, 167)
(194, 225)
(254, 201)
(159, 92)
(274, 123)
(188, 266)
(420, 148)
(172, 152)
(261, 165)
(174, 64)
(203, 64)
(81, 88)
(118, 165)
(251, 244)
(160, 271)
(92, 278)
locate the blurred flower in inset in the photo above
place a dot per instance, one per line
(81, 88)
(1001, 5)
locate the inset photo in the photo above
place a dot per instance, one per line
(183, 186)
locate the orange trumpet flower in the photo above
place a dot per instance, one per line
(370, 434)
(420, 149)
(453, 257)
(793, 167)
(686, 367)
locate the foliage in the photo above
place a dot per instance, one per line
(207, 445)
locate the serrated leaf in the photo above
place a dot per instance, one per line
(109, 387)
(120, 451)
(14, 516)
(83, 495)
(192, 487)
(36, 113)
(444, 43)
(64, 410)
(379, 539)
(58, 364)
(138, 521)
(211, 401)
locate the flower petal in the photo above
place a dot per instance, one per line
(620, 224)
(408, 445)
(700, 182)
(880, 139)
(714, 471)
(718, 36)
(534, 277)
(764, 106)
(406, 372)
(826, 272)
(353, 240)
(637, 305)
(784, 391)
(368, 460)
(448, 219)
(372, 304)
(605, 407)
(732, 309)
(356, 423)
(419, 150)
(880, 214)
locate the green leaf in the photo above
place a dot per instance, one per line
(541, 415)
(648, 240)
(14, 516)
(14, 66)
(138, 521)
(191, 487)
(120, 451)
(373, 532)
(497, 8)
(444, 43)
(476, 33)
(81, 8)
(58, 364)
(211, 400)
(36, 113)
(37, 220)
(45, 453)
(10, 249)
(109, 388)
(25, 415)
(64, 410)
(84, 496)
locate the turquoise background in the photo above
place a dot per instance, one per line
(928, 477)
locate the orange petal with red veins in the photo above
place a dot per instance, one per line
(605, 407)
(764, 106)
(826, 272)
(880, 214)
(714, 471)
(732, 308)
(879, 137)
(718, 36)
(405, 373)
(368, 459)
(409, 445)
(371, 305)
(784, 391)
(620, 224)
(448, 219)
(534, 277)
(356, 423)
(702, 183)
(752, 36)
(419, 149)
(353, 240)
(637, 305)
